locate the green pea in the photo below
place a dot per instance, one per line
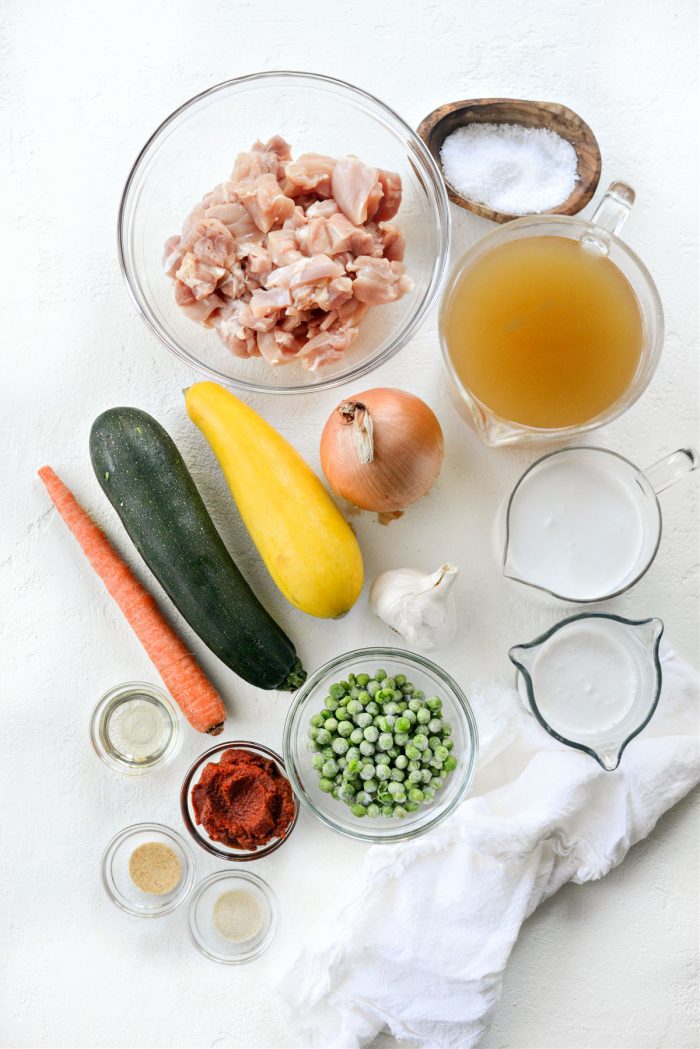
(399, 812)
(389, 682)
(372, 708)
(326, 785)
(379, 675)
(400, 679)
(401, 739)
(323, 736)
(358, 810)
(331, 725)
(366, 748)
(415, 794)
(340, 745)
(420, 741)
(401, 762)
(373, 811)
(356, 736)
(423, 716)
(317, 761)
(316, 721)
(402, 725)
(362, 680)
(387, 810)
(371, 734)
(345, 728)
(436, 783)
(450, 763)
(330, 768)
(412, 752)
(446, 728)
(382, 771)
(433, 703)
(415, 705)
(367, 770)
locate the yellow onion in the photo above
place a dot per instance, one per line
(382, 450)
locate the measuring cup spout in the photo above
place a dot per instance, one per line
(671, 468)
(649, 631)
(522, 656)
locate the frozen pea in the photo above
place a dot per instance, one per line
(353, 769)
(371, 734)
(400, 812)
(326, 785)
(363, 697)
(367, 770)
(423, 716)
(428, 793)
(389, 682)
(449, 743)
(372, 708)
(433, 703)
(411, 806)
(402, 724)
(441, 752)
(373, 811)
(415, 794)
(408, 689)
(371, 786)
(356, 736)
(354, 707)
(413, 765)
(420, 741)
(401, 739)
(420, 694)
(446, 728)
(330, 768)
(347, 792)
(391, 721)
(345, 728)
(415, 705)
(412, 752)
(379, 675)
(393, 752)
(363, 797)
(400, 680)
(362, 680)
(323, 736)
(415, 777)
(387, 810)
(450, 763)
(382, 771)
(401, 762)
(391, 707)
(373, 687)
(366, 748)
(331, 725)
(317, 761)
(435, 725)
(426, 775)
(410, 716)
(340, 745)
(382, 759)
(436, 783)
(395, 788)
(358, 810)
(398, 774)
(363, 720)
(316, 721)
(342, 763)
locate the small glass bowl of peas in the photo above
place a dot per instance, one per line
(380, 744)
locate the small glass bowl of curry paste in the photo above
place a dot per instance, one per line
(237, 802)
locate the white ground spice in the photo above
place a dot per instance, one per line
(510, 168)
(238, 915)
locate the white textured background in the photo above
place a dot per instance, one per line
(83, 85)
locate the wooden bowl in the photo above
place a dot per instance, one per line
(435, 128)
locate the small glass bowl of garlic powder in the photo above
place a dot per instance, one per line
(135, 728)
(233, 917)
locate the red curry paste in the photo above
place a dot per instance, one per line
(243, 801)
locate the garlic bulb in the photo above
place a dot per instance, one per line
(419, 607)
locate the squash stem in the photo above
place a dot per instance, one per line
(296, 677)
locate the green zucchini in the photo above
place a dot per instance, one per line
(145, 479)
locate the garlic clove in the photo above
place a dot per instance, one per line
(416, 605)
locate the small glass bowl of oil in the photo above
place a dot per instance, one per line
(135, 728)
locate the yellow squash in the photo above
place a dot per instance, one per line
(307, 545)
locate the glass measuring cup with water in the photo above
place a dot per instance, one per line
(551, 326)
(593, 681)
(583, 524)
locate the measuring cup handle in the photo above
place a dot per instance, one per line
(671, 468)
(614, 208)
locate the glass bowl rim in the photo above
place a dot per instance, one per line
(97, 717)
(458, 696)
(141, 828)
(191, 827)
(364, 367)
(536, 433)
(232, 874)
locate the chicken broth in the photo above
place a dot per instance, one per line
(543, 332)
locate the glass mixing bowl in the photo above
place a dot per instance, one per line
(424, 675)
(194, 149)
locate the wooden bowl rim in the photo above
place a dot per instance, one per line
(583, 190)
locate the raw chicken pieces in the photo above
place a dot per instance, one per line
(284, 259)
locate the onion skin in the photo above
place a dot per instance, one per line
(408, 448)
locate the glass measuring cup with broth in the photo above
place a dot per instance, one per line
(551, 326)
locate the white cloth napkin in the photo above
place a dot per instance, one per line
(422, 946)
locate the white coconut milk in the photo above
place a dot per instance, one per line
(575, 529)
(585, 679)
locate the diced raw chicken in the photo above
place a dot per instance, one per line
(263, 303)
(265, 202)
(240, 340)
(262, 159)
(305, 271)
(297, 219)
(210, 241)
(201, 310)
(353, 185)
(326, 295)
(322, 209)
(391, 195)
(283, 247)
(285, 258)
(200, 277)
(309, 172)
(393, 243)
(258, 265)
(172, 256)
(379, 281)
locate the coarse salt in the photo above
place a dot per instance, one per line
(510, 168)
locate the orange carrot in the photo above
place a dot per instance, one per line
(193, 692)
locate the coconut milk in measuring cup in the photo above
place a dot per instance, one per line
(584, 524)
